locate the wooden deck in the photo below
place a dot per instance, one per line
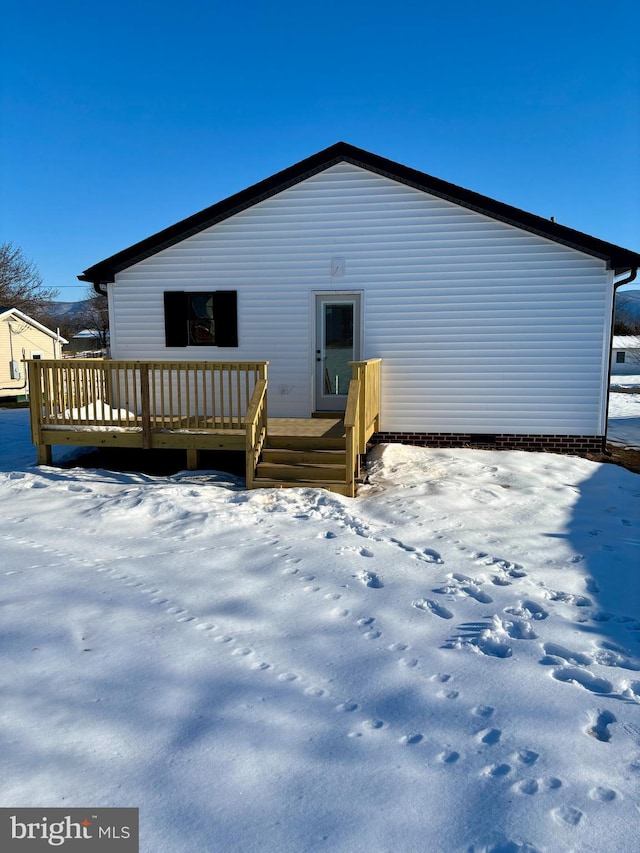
(307, 427)
(198, 406)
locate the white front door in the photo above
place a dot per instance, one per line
(337, 343)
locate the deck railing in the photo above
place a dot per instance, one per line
(178, 404)
(362, 414)
(256, 429)
(368, 375)
(142, 394)
(352, 436)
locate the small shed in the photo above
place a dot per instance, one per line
(87, 344)
(23, 338)
(625, 358)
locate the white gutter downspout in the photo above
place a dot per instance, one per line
(616, 284)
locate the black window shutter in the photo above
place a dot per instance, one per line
(225, 312)
(175, 318)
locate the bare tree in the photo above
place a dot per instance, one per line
(95, 317)
(21, 284)
(626, 323)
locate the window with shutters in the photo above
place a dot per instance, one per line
(206, 319)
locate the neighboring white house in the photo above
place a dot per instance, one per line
(625, 354)
(472, 304)
(22, 338)
(87, 343)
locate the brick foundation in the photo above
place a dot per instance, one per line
(577, 445)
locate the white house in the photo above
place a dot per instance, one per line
(22, 338)
(470, 303)
(625, 357)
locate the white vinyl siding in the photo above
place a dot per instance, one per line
(483, 327)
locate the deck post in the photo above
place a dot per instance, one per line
(146, 409)
(193, 456)
(43, 451)
(35, 400)
(44, 455)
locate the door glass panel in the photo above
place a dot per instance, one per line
(338, 347)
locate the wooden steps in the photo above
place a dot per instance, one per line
(311, 461)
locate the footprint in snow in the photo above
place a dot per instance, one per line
(614, 656)
(584, 678)
(599, 728)
(568, 598)
(369, 579)
(471, 588)
(429, 605)
(520, 630)
(428, 555)
(567, 815)
(448, 756)
(490, 645)
(474, 591)
(448, 694)
(527, 786)
(603, 795)
(632, 691)
(556, 653)
(411, 739)
(485, 711)
(527, 757)
(496, 771)
(527, 609)
(490, 737)
(511, 570)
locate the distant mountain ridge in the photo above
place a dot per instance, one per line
(67, 311)
(629, 300)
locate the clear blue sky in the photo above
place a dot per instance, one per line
(120, 118)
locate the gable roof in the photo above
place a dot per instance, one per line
(6, 312)
(617, 258)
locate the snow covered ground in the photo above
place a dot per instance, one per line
(620, 380)
(449, 662)
(624, 419)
